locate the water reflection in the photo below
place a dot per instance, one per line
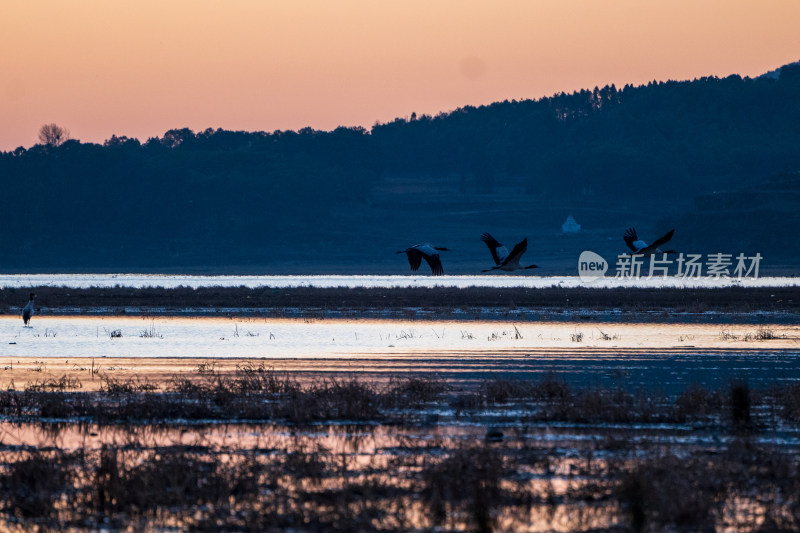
(359, 477)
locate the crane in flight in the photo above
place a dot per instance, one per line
(504, 260)
(429, 253)
(639, 247)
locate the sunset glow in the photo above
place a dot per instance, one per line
(138, 69)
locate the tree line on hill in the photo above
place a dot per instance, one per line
(212, 197)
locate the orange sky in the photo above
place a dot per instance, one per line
(139, 68)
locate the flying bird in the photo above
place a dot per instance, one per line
(502, 259)
(428, 252)
(639, 247)
(27, 311)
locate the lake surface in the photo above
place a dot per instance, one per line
(495, 280)
(669, 356)
(244, 337)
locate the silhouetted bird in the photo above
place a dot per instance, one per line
(428, 252)
(502, 259)
(639, 247)
(27, 311)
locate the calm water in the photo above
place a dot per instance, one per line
(496, 280)
(54, 336)
(668, 356)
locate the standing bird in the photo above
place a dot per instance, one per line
(502, 259)
(27, 311)
(428, 252)
(639, 247)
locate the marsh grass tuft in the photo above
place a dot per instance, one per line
(64, 383)
(412, 392)
(206, 368)
(761, 334)
(548, 389)
(150, 333)
(251, 378)
(132, 385)
(407, 335)
(606, 337)
(697, 402)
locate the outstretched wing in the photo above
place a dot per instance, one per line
(517, 251)
(662, 240)
(435, 264)
(499, 252)
(630, 237)
(414, 258)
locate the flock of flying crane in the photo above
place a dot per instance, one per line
(503, 260)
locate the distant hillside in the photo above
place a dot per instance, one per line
(714, 158)
(775, 74)
(753, 218)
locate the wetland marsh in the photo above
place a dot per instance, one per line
(371, 415)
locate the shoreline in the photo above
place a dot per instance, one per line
(734, 304)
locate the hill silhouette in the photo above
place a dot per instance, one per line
(715, 158)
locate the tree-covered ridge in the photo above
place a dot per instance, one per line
(232, 197)
(668, 131)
